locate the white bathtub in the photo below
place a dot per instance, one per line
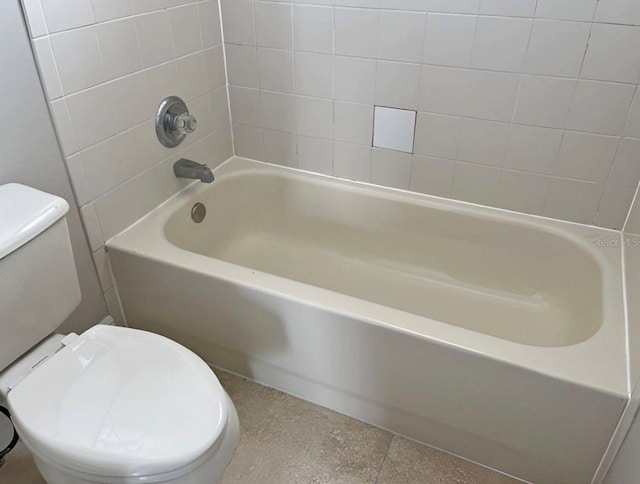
(497, 336)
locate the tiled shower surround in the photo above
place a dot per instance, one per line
(106, 65)
(522, 104)
(529, 105)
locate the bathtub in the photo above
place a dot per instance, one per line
(496, 336)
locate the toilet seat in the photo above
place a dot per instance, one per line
(119, 402)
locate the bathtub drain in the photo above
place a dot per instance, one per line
(198, 212)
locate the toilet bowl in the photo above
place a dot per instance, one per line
(118, 405)
(113, 405)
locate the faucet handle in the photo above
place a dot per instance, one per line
(185, 123)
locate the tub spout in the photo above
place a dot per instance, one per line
(190, 169)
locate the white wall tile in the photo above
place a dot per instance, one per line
(632, 125)
(119, 47)
(92, 226)
(614, 206)
(144, 6)
(355, 79)
(352, 161)
(313, 28)
(394, 129)
(483, 141)
(245, 105)
(522, 192)
(397, 84)
(64, 126)
(600, 107)
(35, 18)
(586, 156)
(437, 135)
(618, 12)
(273, 25)
(353, 123)
(314, 74)
(449, 39)
(475, 183)
(501, 43)
(242, 65)
(192, 76)
(92, 115)
(626, 167)
(533, 149)
(210, 28)
(314, 117)
(104, 10)
(557, 47)
(567, 9)
(473, 93)
(433, 176)
(356, 32)
(238, 21)
(154, 37)
(315, 155)
(401, 35)
(47, 67)
(248, 141)
(79, 60)
(185, 27)
(280, 148)
(544, 101)
(275, 70)
(391, 168)
(573, 200)
(67, 14)
(508, 8)
(613, 54)
(278, 111)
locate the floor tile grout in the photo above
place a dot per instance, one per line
(384, 459)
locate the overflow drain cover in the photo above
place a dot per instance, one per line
(198, 212)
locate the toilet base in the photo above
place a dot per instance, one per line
(208, 471)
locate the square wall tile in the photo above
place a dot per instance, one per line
(448, 39)
(275, 70)
(280, 148)
(238, 21)
(533, 149)
(67, 14)
(401, 35)
(273, 25)
(437, 135)
(567, 9)
(573, 200)
(356, 32)
(476, 183)
(314, 117)
(314, 74)
(242, 65)
(586, 156)
(483, 141)
(352, 162)
(313, 28)
(315, 155)
(397, 84)
(391, 168)
(522, 192)
(613, 54)
(355, 79)
(394, 129)
(544, 101)
(433, 176)
(501, 43)
(353, 123)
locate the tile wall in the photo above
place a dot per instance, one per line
(529, 105)
(106, 66)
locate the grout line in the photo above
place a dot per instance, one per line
(384, 459)
(226, 76)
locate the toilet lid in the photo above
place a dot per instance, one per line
(120, 402)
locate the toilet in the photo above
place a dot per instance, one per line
(111, 405)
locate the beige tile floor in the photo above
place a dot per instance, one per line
(286, 440)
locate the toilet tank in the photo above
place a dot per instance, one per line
(38, 282)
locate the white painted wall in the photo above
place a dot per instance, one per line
(29, 152)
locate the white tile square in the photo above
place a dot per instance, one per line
(626, 166)
(273, 25)
(394, 129)
(618, 12)
(522, 192)
(483, 141)
(242, 65)
(573, 200)
(280, 148)
(119, 47)
(391, 168)
(104, 10)
(67, 14)
(354, 79)
(356, 32)
(353, 123)
(401, 35)
(437, 135)
(275, 70)
(314, 74)
(501, 43)
(397, 84)
(185, 27)
(533, 149)
(314, 117)
(154, 37)
(238, 21)
(600, 107)
(315, 155)
(586, 156)
(247, 141)
(449, 39)
(567, 9)
(632, 126)
(476, 183)
(35, 18)
(47, 68)
(352, 162)
(557, 47)
(433, 176)
(278, 111)
(77, 55)
(613, 54)
(544, 101)
(245, 105)
(508, 8)
(313, 28)
(614, 206)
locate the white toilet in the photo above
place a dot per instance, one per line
(113, 405)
